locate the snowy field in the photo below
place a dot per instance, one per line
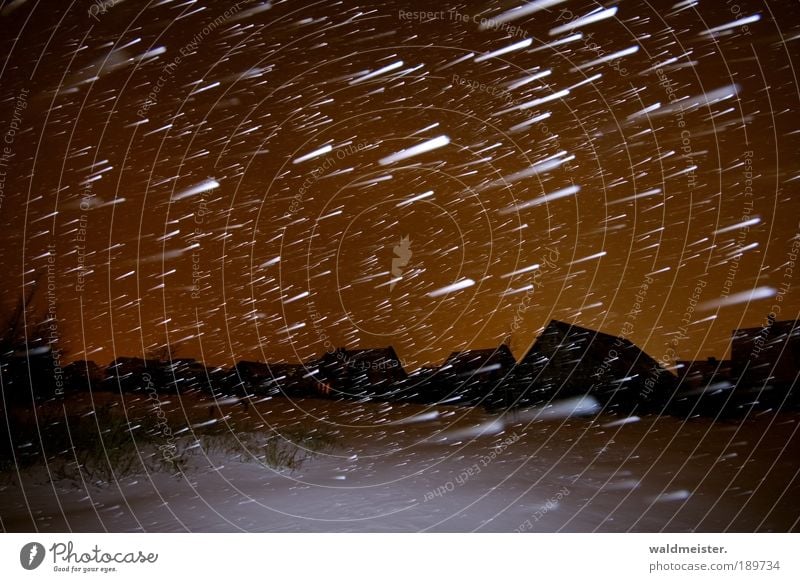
(408, 468)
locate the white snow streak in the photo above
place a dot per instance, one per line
(463, 284)
(416, 150)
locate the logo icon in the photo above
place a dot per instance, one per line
(31, 555)
(403, 254)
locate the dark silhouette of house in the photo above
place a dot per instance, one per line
(765, 364)
(258, 378)
(83, 375)
(704, 387)
(472, 377)
(568, 360)
(186, 374)
(253, 375)
(761, 374)
(128, 374)
(696, 375)
(422, 385)
(565, 361)
(361, 373)
(291, 380)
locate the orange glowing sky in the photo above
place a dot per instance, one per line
(159, 148)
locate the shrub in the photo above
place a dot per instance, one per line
(103, 446)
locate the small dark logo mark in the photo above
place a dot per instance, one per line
(403, 254)
(31, 555)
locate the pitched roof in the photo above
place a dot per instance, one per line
(787, 326)
(483, 355)
(386, 353)
(586, 341)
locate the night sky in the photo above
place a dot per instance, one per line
(270, 180)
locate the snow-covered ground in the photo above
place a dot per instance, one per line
(413, 468)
